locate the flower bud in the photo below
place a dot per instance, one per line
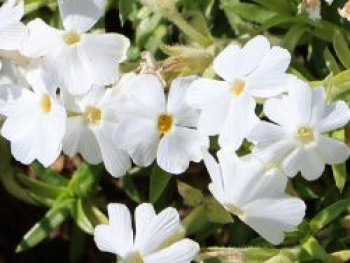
(345, 11)
(162, 7)
(312, 8)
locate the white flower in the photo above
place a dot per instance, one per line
(91, 122)
(228, 107)
(79, 60)
(35, 124)
(254, 193)
(297, 141)
(312, 8)
(149, 244)
(154, 128)
(12, 31)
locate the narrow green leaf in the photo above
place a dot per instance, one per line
(125, 9)
(40, 188)
(249, 12)
(328, 214)
(339, 173)
(49, 176)
(331, 62)
(81, 216)
(280, 6)
(198, 22)
(85, 179)
(159, 182)
(53, 219)
(293, 36)
(342, 49)
(312, 250)
(303, 190)
(131, 189)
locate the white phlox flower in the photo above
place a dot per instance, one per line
(297, 139)
(158, 128)
(36, 122)
(91, 122)
(78, 59)
(255, 193)
(149, 243)
(12, 31)
(228, 107)
(345, 11)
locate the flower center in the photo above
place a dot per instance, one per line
(165, 123)
(92, 115)
(238, 87)
(305, 135)
(71, 38)
(136, 258)
(45, 103)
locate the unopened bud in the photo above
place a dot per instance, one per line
(163, 7)
(312, 8)
(345, 11)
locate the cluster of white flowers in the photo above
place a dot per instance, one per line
(61, 90)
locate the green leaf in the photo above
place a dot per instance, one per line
(191, 195)
(81, 216)
(339, 173)
(48, 176)
(250, 12)
(328, 214)
(312, 250)
(198, 22)
(216, 213)
(85, 179)
(131, 189)
(52, 220)
(279, 6)
(39, 188)
(291, 39)
(342, 49)
(125, 9)
(331, 62)
(159, 182)
(303, 190)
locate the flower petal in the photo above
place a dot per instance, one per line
(337, 116)
(161, 228)
(80, 15)
(117, 236)
(80, 139)
(183, 113)
(144, 214)
(240, 121)
(100, 56)
(272, 217)
(333, 151)
(178, 148)
(116, 161)
(183, 251)
(42, 39)
(139, 137)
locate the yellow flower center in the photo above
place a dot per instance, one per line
(305, 135)
(238, 87)
(92, 115)
(71, 38)
(165, 123)
(45, 103)
(136, 258)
